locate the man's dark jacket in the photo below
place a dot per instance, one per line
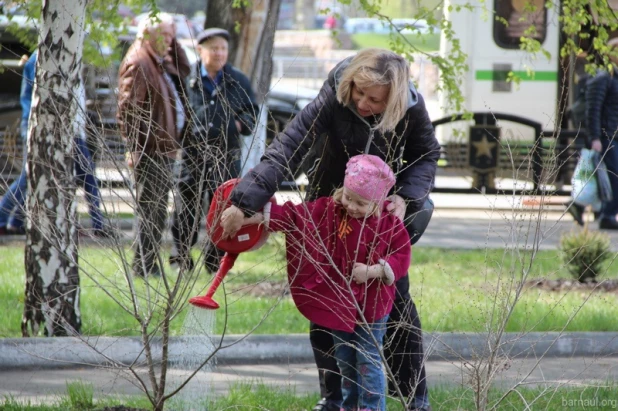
(325, 134)
(602, 106)
(214, 114)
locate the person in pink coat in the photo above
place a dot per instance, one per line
(344, 254)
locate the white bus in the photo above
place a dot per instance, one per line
(490, 34)
(493, 51)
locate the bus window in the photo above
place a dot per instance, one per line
(520, 18)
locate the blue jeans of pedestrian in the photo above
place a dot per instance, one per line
(363, 383)
(610, 158)
(12, 203)
(84, 173)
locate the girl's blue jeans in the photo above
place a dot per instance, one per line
(363, 381)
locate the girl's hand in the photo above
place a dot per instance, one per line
(397, 206)
(232, 220)
(361, 273)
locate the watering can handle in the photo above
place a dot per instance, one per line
(227, 262)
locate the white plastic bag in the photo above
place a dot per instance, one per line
(585, 186)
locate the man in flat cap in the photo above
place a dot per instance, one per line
(222, 107)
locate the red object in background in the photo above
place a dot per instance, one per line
(330, 23)
(249, 237)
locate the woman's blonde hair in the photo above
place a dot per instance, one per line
(378, 67)
(338, 195)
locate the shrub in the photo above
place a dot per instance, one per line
(584, 253)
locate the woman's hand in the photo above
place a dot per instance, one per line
(232, 220)
(397, 206)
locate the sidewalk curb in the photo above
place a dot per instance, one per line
(16, 353)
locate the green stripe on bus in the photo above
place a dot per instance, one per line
(491, 75)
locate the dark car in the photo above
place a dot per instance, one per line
(284, 102)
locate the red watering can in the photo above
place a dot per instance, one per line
(248, 238)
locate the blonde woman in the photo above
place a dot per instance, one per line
(368, 105)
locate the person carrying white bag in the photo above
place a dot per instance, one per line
(602, 126)
(591, 185)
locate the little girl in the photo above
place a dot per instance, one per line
(344, 254)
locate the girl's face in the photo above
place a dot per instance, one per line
(355, 205)
(370, 100)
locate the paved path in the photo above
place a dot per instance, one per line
(472, 221)
(464, 221)
(44, 386)
(460, 221)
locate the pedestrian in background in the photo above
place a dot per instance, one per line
(12, 207)
(602, 128)
(12, 204)
(151, 117)
(222, 106)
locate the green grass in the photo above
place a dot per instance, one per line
(442, 398)
(79, 397)
(454, 290)
(425, 42)
(258, 396)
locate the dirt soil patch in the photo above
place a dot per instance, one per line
(265, 289)
(273, 289)
(564, 284)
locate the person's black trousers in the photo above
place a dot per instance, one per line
(403, 348)
(202, 171)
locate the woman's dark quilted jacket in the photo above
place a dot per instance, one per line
(325, 134)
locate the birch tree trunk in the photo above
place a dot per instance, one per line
(52, 278)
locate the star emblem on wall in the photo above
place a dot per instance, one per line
(484, 147)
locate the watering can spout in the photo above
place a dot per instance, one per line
(206, 301)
